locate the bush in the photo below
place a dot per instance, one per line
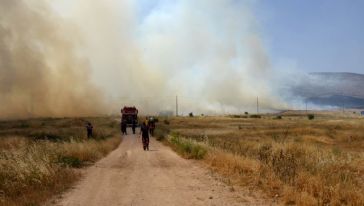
(166, 122)
(257, 116)
(278, 117)
(237, 116)
(311, 116)
(190, 114)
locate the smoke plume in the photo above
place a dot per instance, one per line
(53, 56)
(40, 72)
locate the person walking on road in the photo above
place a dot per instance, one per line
(144, 130)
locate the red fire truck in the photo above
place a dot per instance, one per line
(129, 114)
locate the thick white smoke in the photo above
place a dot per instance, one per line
(143, 53)
(209, 53)
(40, 71)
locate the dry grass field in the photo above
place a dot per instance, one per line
(293, 159)
(40, 157)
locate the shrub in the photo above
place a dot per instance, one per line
(166, 122)
(190, 114)
(311, 116)
(257, 116)
(236, 116)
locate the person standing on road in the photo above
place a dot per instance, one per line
(146, 121)
(123, 127)
(144, 130)
(151, 126)
(89, 129)
(133, 126)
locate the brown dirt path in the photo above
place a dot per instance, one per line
(131, 176)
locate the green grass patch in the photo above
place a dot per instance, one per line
(187, 147)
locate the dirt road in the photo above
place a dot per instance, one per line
(131, 176)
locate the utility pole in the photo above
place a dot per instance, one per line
(257, 105)
(176, 106)
(306, 106)
(342, 95)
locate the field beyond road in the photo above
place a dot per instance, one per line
(295, 158)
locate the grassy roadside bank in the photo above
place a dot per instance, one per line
(291, 169)
(185, 147)
(41, 157)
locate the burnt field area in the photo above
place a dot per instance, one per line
(295, 158)
(41, 157)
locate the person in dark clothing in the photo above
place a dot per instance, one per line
(144, 130)
(133, 126)
(151, 126)
(123, 127)
(89, 129)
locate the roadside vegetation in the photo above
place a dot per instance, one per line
(293, 159)
(188, 148)
(40, 157)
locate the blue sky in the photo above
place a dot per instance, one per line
(316, 35)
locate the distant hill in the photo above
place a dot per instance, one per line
(332, 89)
